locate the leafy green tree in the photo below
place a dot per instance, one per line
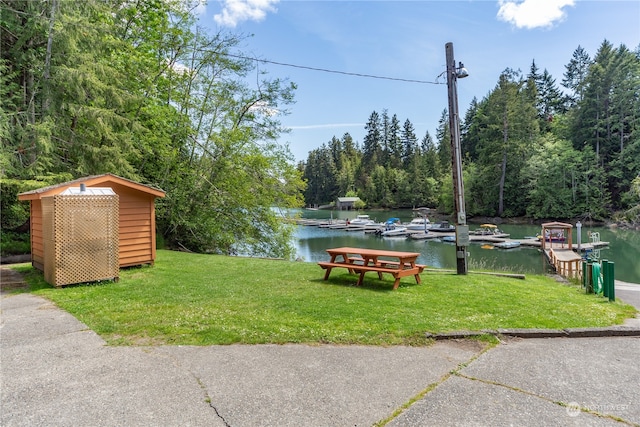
(625, 170)
(553, 173)
(509, 130)
(139, 90)
(374, 188)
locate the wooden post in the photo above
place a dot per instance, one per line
(456, 159)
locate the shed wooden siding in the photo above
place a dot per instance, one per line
(37, 243)
(137, 227)
(137, 233)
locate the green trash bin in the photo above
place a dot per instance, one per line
(605, 278)
(612, 282)
(596, 278)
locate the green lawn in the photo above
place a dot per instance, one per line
(209, 299)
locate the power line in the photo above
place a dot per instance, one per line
(325, 70)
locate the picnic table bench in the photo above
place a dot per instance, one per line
(361, 260)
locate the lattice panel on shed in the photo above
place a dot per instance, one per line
(80, 234)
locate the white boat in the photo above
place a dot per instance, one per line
(392, 228)
(443, 227)
(361, 220)
(509, 244)
(395, 230)
(419, 224)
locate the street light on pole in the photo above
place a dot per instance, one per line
(462, 229)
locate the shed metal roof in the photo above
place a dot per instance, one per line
(91, 191)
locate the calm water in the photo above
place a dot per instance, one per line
(624, 248)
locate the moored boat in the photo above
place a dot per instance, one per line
(509, 244)
(419, 224)
(486, 230)
(395, 231)
(442, 227)
(392, 228)
(361, 220)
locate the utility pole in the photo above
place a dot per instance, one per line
(462, 229)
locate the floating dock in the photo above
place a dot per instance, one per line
(533, 242)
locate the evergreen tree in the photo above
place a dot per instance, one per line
(625, 117)
(349, 162)
(431, 160)
(385, 142)
(395, 144)
(137, 89)
(625, 96)
(469, 132)
(509, 130)
(409, 143)
(320, 172)
(548, 98)
(371, 150)
(443, 136)
(592, 124)
(575, 74)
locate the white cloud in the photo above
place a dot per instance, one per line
(262, 107)
(178, 67)
(236, 11)
(533, 13)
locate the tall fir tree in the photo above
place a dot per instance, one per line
(409, 144)
(575, 74)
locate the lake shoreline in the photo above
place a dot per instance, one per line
(520, 220)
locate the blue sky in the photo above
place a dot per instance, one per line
(406, 40)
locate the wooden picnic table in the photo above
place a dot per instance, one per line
(362, 260)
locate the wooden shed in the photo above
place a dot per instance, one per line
(137, 220)
(347, 203)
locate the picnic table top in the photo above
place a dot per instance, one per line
(372, 252)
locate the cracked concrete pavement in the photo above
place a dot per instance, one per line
(57, 372)
(54, 371)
